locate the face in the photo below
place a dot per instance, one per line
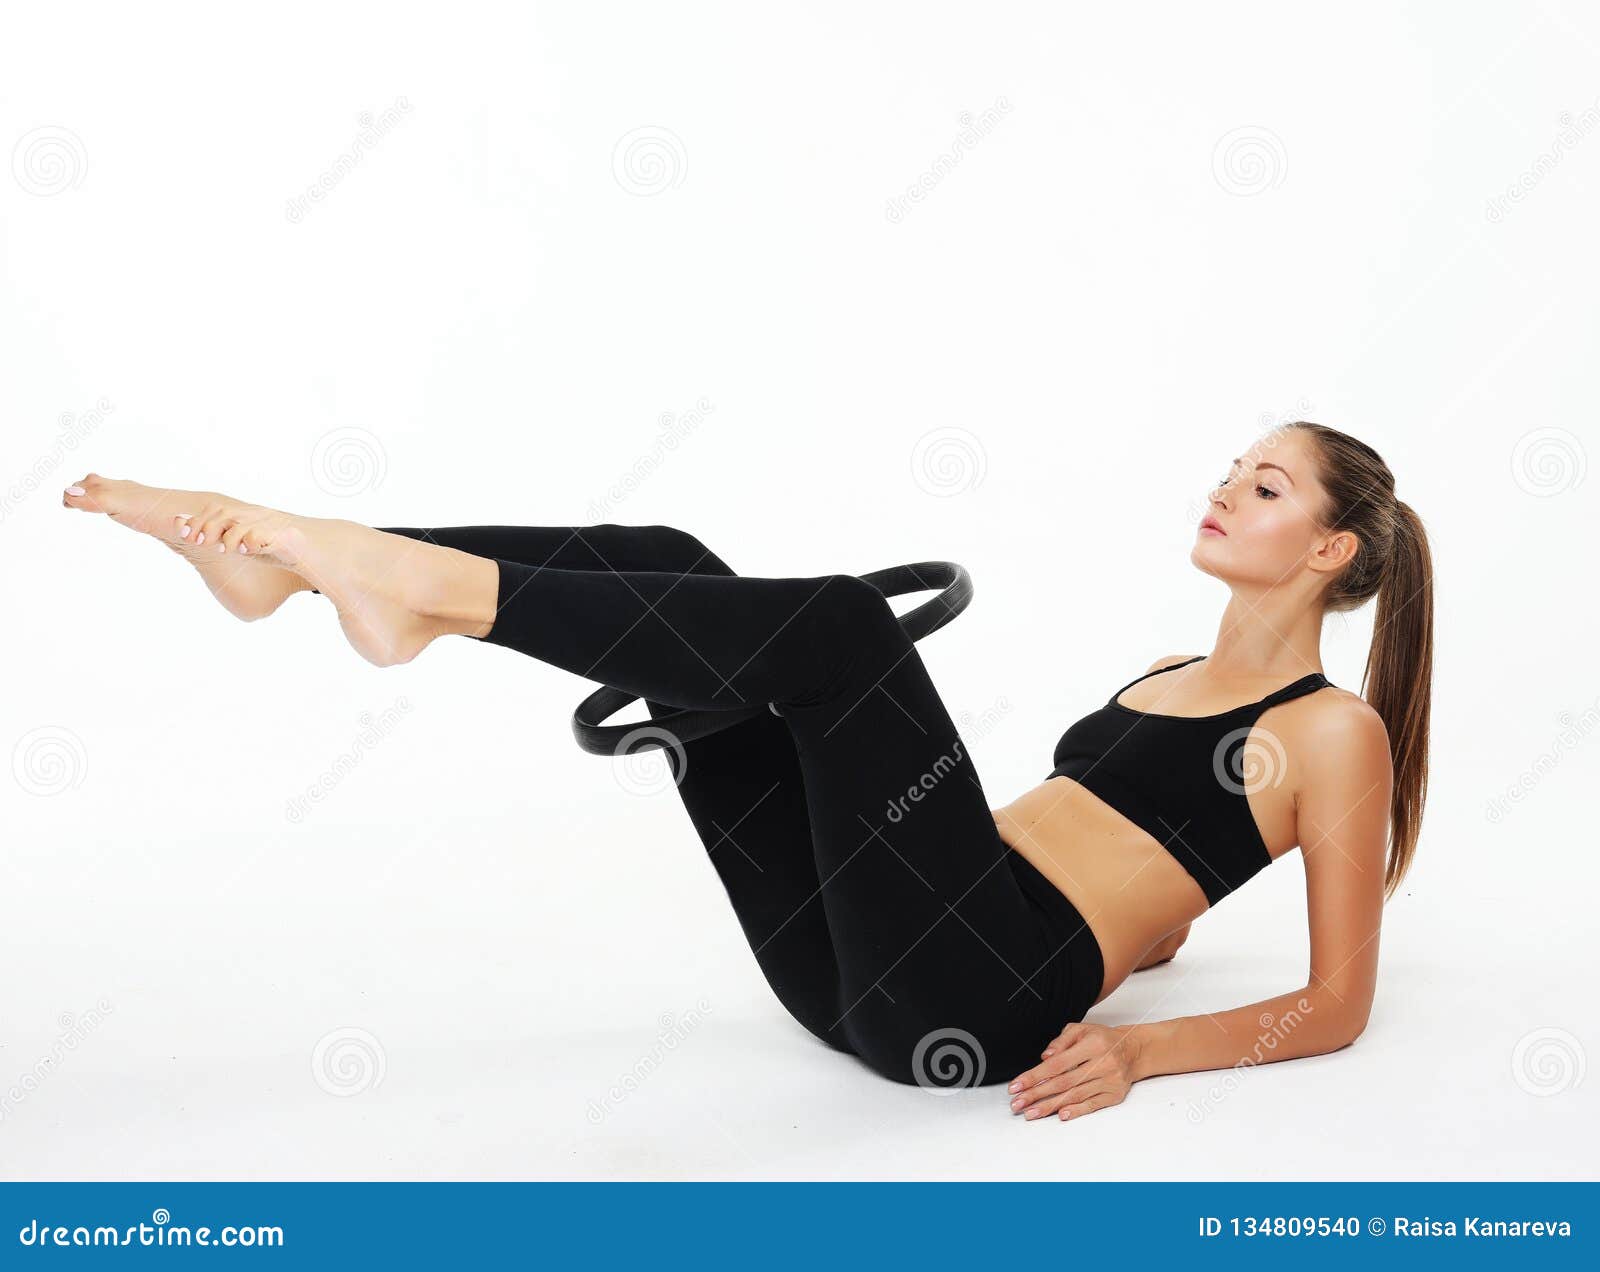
(1260, 527)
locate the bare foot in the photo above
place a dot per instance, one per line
(248, 587)
(394, 594)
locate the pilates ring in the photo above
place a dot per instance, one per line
(673, 728)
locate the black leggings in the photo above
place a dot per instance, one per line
(851, 832)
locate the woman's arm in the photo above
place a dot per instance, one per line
(1342, 808)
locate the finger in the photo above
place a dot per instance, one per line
(1063, 1083)
(1046, 1066)
(1034, 1082)
(1039, 1072)
(1065, 1038)
(1036, 1091)
(1065, 1099)
(1091, 1105)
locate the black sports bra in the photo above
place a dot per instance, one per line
(1185, 780)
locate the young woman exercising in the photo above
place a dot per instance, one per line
(895, 915)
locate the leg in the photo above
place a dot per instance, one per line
(934, 939)
(742, 787)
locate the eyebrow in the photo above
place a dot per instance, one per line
(1239, 459)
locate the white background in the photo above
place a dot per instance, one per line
(1109, 295)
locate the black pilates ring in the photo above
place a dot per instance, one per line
(681, 726)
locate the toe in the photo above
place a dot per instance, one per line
(85, 494)
(231, 538)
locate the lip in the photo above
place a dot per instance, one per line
(1210, 526)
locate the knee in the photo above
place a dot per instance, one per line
(849, 607)
(683, 552)
(919, 1053)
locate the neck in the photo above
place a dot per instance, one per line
(1268, 634)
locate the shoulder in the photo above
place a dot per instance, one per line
(1168, 661)
(1341, 736)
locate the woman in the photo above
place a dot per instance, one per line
(895, 915)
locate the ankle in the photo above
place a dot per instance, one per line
(454, 588)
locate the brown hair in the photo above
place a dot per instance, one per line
(1392, 563)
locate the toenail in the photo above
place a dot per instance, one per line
(184, 533)
(242, 548)
(199, 538)
(75, 490)
(222, 547)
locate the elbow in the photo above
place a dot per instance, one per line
(1339, 1021)
(1353, 1025)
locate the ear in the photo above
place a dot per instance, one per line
(1334, 552)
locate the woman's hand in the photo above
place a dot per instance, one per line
(1087, 1068)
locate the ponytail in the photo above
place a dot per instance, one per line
(1392, 563)
(1398, 681)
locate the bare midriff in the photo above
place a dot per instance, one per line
(1130, 890)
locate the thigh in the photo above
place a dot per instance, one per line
(945, 964)
(742, 788)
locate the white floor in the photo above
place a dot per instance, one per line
(508, 998)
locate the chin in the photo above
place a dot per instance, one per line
(1203, 559)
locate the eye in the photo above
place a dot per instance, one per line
(1266, 492)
